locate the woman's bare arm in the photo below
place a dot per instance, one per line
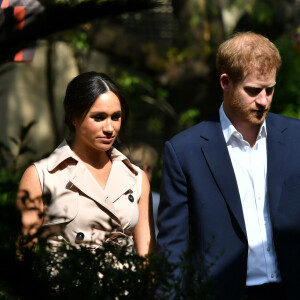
(29, 201)
(143, 234)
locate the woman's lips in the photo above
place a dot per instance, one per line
(106, 139)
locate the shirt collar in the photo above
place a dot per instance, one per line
(228, 129)
(63, 152)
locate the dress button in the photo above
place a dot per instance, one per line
(130, 198)
(79, 237)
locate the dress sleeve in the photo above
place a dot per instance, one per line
(40, 174)
(139, 181)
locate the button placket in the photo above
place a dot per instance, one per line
(79, 238)
(130, 198)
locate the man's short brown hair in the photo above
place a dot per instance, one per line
(244, 51)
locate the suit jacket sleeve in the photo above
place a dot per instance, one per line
(173, 213)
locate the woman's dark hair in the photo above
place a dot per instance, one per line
(82, 92)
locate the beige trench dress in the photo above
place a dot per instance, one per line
(77, 210)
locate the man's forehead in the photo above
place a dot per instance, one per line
(268, 74)
(260, 70)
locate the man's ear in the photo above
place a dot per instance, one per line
(225, 82)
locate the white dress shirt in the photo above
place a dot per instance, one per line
(250, 168)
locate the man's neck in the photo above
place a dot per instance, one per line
(248, 131)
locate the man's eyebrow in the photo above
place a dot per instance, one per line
(259, 87)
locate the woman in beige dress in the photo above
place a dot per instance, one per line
(91, 192)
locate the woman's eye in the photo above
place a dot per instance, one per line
(116, 117)
(98, 118)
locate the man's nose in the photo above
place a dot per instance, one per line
(262, 98)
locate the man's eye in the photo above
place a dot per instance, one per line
(252, 92)
(269, 90)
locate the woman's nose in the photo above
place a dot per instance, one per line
(108, 126)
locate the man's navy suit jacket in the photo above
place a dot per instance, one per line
(200, 194)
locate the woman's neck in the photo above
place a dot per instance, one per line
(90, 156)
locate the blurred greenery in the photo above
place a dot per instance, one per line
(287, 91)
(107, 272)
(10, 173)
(163, 55)
(170, 82)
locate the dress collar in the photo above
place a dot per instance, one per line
(63, 152)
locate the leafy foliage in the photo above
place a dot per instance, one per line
(108, 272)
(10, 173)
(30, 271)
(187, 118)
(287, 92)
(61, 15)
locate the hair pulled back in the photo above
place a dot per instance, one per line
(82, 92)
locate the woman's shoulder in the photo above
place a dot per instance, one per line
(118, 156)
(61, 154)
(29, 174)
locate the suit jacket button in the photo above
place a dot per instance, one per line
(79, 238)
(130, 198)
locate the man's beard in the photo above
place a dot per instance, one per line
(254, 115)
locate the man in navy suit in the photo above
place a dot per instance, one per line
(233, 183)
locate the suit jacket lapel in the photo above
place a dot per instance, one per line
(277, 161)
(217, 156)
